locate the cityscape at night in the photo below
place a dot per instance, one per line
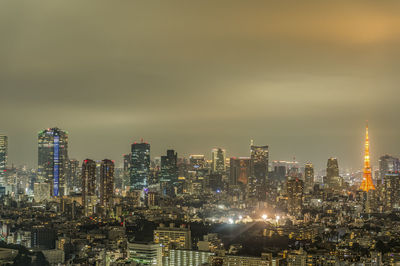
(220, 133)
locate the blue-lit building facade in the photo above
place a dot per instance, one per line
(53, 159)
(3, 157)
(140, 165)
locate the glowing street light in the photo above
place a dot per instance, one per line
(264, 217)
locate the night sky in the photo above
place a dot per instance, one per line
(301, 77)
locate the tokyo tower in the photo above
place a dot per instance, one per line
(367, 183)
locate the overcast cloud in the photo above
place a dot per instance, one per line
(301, 77)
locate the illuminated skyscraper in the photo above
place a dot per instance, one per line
(259, 159)
(89, 198)
(391, 195)
(3, 157)
(53, 159)
(240, 171)
(388, 164)
(73, 176)
(332, 168)
(127, 167)
(333, 180)
(169, 173)
(367, 183)
(309, 175)
(140, 165)
(106, 183)
(259, 156)
(198, 166)
(169, 167)
(218, 160)
(295, 188)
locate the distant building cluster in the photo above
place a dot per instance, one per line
(170, 210)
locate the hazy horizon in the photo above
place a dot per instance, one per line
(194, 76)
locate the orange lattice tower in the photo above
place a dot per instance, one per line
(367, 183)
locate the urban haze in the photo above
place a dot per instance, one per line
(300, 78)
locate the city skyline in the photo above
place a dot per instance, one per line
(208, 153)
(177, 133)
(213, 76)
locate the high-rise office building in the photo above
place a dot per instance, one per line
(169, 167)
(258, 181)
(140, 165)
(127, 167)
(309, 175)
(169, 173)
(199, 169)
(218, 157)
(259, 156)
(391, 195)
(89, 198)
(183, 166)
(3, 157)
(333, 180)
(106, 184)
(388, 164)
(332, 168)
(295, 188)
(119, 178)
(53, 159)
(73, 177)
(240, 170)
